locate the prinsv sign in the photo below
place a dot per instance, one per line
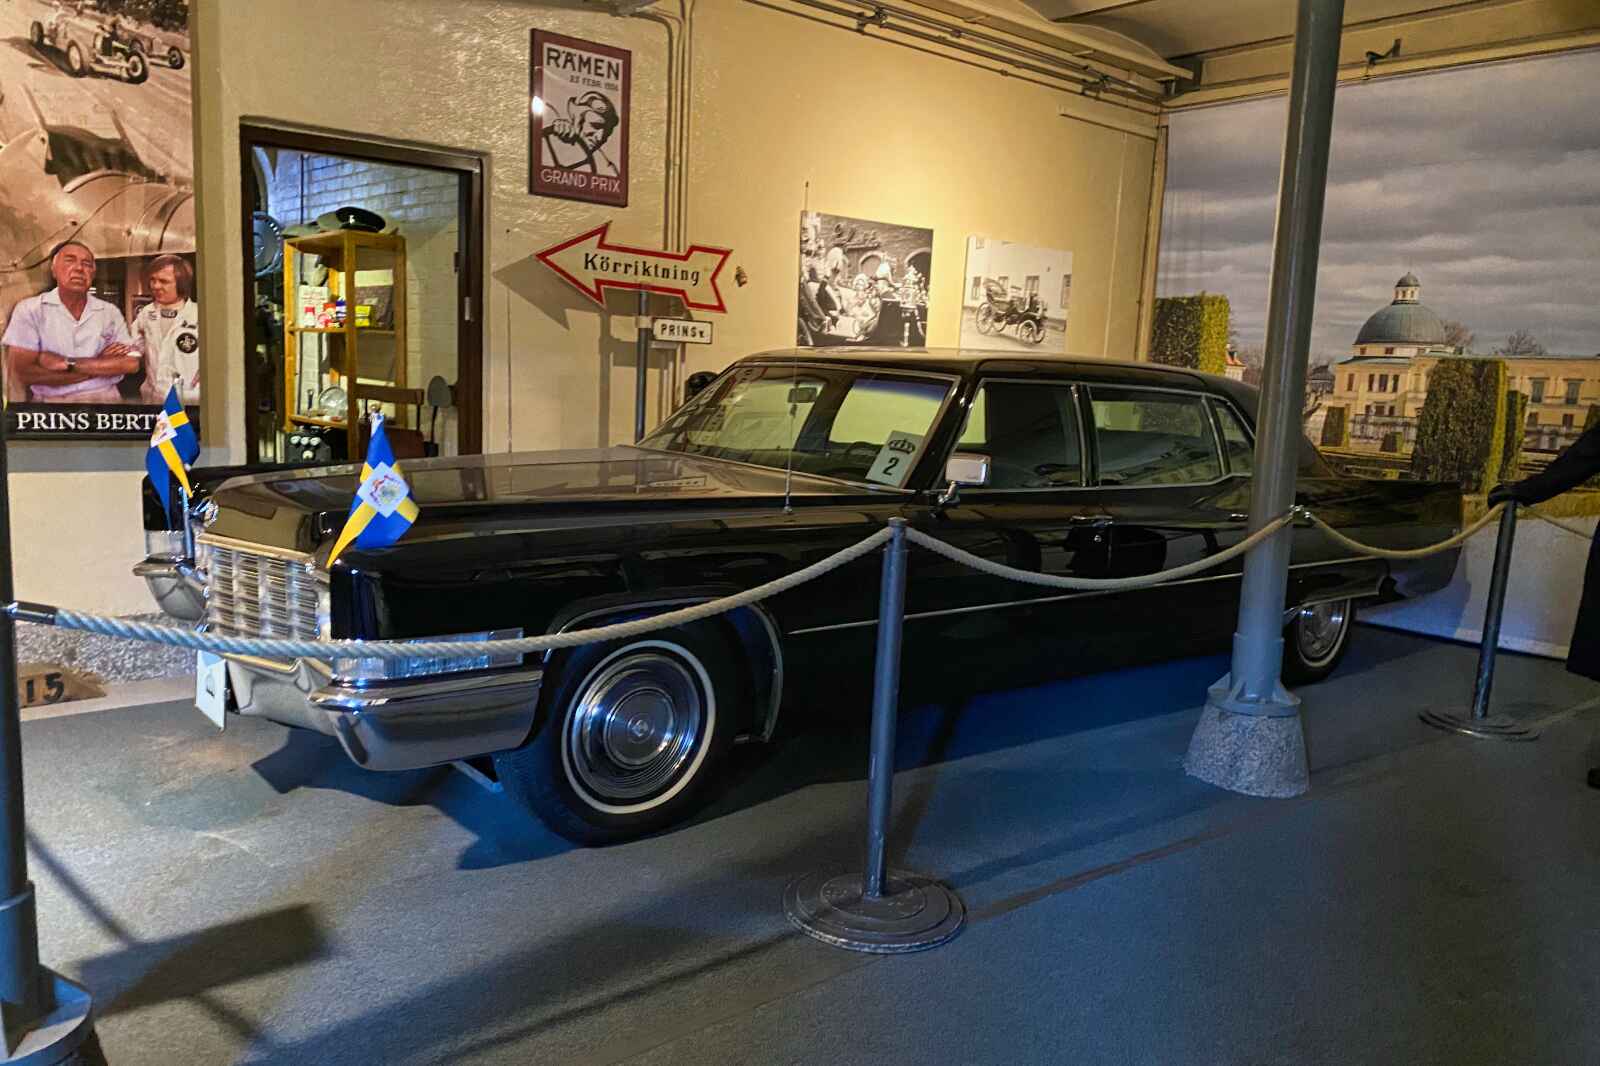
(591, 264)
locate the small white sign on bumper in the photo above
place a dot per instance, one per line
(211, 687)
(681, 331)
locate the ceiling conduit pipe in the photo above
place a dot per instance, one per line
(1095, 86)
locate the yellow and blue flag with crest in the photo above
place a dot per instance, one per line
(173, 445)
(383, 508)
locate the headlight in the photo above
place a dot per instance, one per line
(360, 672)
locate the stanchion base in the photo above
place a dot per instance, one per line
(1494, 727)
(914, 912)
(65, 1035)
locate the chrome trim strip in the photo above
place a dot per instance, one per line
(774, 703)
(352, 700)
(253, 548)
(1089, 594)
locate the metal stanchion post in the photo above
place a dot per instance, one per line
(641, 379)
(45, 1018)
(880, 910)
(1478, 722)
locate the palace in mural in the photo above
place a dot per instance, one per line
(1383, 382)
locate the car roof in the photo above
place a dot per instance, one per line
(970, 361)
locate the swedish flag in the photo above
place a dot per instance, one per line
(383, 508)
(173, 444)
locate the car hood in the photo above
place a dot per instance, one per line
(303, 508)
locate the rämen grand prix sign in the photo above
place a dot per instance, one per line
(591, 264)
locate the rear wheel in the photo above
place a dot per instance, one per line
(36, 34)
(986, 318)
(629, 733)
(1316, 639)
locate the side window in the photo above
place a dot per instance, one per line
(1235, 441)
(1029, 432)
(1148, 437)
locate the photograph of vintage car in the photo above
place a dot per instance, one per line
(92, 42)
(1093, 468)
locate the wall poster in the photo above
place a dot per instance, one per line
(97, 233)
(580, 119)
(1016, 296)
(863, 282)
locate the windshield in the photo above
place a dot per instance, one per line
(839, 422)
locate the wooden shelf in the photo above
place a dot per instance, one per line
(311, 420)
(364, 350)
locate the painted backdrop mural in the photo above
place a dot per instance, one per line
(1462, 223)
(97, 234)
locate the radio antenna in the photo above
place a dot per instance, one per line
(794, 372)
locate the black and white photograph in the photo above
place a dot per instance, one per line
(1016, 296)
(863, 282)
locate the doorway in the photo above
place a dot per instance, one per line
(363, 289)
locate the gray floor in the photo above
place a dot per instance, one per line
(249, 897)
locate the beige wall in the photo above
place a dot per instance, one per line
(880, 132)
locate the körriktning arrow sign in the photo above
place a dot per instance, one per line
(591, 264)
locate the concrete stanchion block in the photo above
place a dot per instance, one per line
(1256, 753)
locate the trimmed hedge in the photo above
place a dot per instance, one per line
(1511, 450)
(1191, 331)
(1336, 428)
(1461, 431)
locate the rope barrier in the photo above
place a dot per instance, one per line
(1106, 584)
(1404, 553)
(330, 650)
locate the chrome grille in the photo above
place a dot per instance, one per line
(254, 594)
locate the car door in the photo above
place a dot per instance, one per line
(1036, 513)
(1177, 496)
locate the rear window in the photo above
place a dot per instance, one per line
(1149, 437)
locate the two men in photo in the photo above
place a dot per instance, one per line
(67, 345)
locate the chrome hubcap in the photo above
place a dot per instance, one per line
(1321, 628)
(635, 726)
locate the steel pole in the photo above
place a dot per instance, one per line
(885, 706)
(880, 910)
(641, 378)
(1258, 641)
(1493, 612)
(22, 989)
(1478, 722)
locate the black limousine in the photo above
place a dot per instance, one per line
(1066, 466)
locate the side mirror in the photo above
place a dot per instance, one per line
(963, 468)
(967, 468)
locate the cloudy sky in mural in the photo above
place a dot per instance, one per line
(1481, 181)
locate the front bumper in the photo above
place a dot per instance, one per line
(177, 589)
(397, 725)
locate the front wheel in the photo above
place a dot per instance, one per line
(1029, 332)
(175, 58)
(137, 70)
(1315, 639)
(36, 35)
(75, 64)
(629, 734)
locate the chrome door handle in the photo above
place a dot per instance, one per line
(1238, 517)
(1096, 521)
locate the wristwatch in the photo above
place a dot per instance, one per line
(72, 365)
